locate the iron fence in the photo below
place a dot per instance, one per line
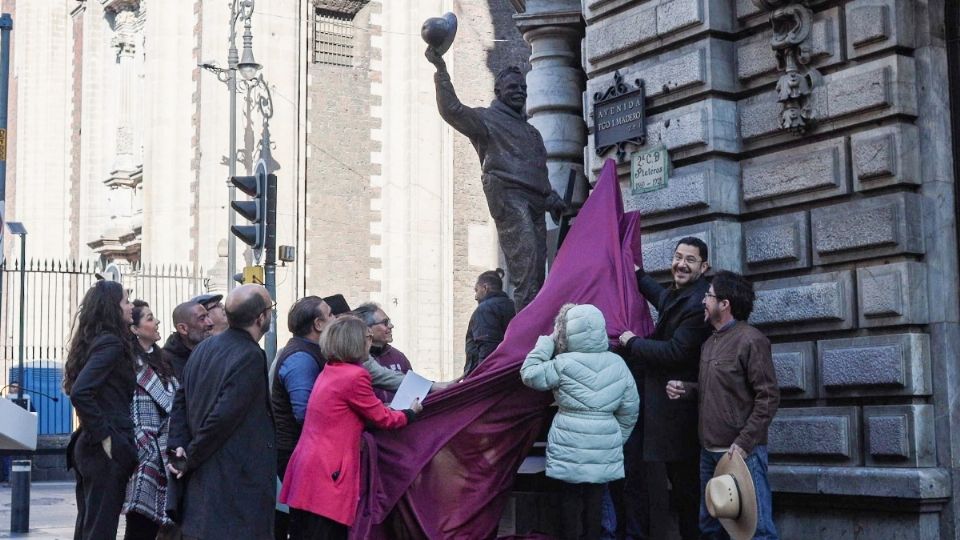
(53, 292)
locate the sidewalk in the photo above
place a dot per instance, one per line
(53, 510)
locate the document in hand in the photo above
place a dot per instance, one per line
(412, 387)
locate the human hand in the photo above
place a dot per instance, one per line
(556, 206)
(416, 407)
(107, 447)
(438, 386)
(675, 389)
(434, 58)
(625, 337)
(735, 448)
(178, 461)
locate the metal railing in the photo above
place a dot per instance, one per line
(53, 293)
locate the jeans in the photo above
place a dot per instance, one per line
(608, 516)
(710, 528)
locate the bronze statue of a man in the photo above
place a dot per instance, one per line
(514, 166)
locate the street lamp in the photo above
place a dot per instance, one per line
(248, 67)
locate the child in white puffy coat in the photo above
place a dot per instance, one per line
(598, 407)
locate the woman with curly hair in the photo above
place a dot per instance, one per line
(150, 410)
(100, 377)
(598, 407)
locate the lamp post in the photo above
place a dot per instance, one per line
(248, 68)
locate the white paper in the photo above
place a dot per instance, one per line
(412, 387)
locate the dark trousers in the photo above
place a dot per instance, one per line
(307, 526)
(520, 216)
(101, 486)
(281, 520)
(140, 527)
(685, 493)
(580, 511)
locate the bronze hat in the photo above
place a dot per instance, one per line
(439, 32)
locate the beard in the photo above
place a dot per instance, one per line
(267, 323)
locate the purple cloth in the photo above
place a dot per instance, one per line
(448, 474)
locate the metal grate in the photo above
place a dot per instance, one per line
(333, 41)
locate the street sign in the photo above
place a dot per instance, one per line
(649, 170)
(619, 116)
(253, 275)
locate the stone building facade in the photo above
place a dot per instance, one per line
(811, 149)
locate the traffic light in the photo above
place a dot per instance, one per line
(254, 210)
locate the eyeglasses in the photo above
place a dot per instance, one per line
(385, 322)
(711, 295)
(272, 307)
(690, 259)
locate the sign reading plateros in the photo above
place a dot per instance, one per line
(649, 170)
(619, 116)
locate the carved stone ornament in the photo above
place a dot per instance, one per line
(792, 21)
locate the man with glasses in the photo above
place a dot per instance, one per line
(386, 355)
(667, 429)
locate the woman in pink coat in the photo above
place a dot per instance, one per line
(322, 481)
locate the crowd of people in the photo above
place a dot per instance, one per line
(188, 440)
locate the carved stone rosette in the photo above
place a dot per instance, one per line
(792, 21)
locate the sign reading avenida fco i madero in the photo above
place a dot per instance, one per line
(619, 116)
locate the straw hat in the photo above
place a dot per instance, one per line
(730, 497)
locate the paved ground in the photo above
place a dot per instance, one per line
(53, 509)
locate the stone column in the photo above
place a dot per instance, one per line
(555, 88)
(125, 38)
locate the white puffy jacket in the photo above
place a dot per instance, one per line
(596, 395)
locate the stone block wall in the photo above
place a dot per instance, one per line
(847, 232)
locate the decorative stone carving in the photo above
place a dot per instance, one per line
(792, 22)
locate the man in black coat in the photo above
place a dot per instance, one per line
(489, 321)
(667, 429)
(191, 325)
(222, 428)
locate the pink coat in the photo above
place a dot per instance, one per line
(323, 476)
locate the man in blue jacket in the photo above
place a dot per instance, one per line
(667, 429)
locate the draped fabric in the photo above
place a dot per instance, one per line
(448, 474)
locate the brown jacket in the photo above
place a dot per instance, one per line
(737, 387)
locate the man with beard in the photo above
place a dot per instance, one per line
(191, 325)
(222, 428)
(214, 309)
(738, 396)
(294, 372)
(667, 429)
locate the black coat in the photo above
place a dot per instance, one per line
(101, 396)
(672, 352)
(487, 326)
(176, 353)
(222, 418)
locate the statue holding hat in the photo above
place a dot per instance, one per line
(513, 161)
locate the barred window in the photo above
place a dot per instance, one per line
(333, 42)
